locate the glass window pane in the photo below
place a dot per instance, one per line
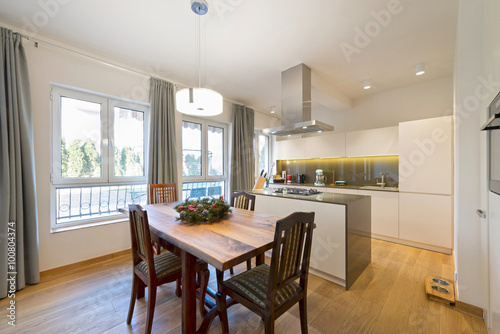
(191, 149)
(264, 153)
(215, 151)
(128, 142)
(80, 138)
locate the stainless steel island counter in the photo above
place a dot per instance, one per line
(341, 248)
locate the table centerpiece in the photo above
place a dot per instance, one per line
(205, 210)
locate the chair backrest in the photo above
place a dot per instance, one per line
(242, 200)
(142, 248)
(291, 254)
(162, 193)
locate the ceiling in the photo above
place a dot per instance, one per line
(249, 43)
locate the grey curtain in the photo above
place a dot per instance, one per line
(18, 211)
(242, 159)
(162, 147)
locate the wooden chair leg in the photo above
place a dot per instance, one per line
(157, 248)
(203, 277)
(178, 289)
(221, 306)
(303, 315)
(141, 288)
(151, 308)
(231, 271)
(249, 264)
(133, 296)
(269, 324)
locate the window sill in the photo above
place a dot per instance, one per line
(86, 225)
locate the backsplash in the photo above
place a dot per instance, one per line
(363, 171)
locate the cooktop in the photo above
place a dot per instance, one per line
(298, 191)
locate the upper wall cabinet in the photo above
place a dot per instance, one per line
(290, 149)
(331, 145)
(426, 156)
(383, 141)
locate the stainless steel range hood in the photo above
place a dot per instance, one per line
(296, 104)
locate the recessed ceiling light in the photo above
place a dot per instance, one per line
(304, 127)
(420, 69)
(289, 135)
(272, 110)
(319, 131)
(367, 84)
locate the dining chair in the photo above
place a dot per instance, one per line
(152, 271)
(246, 201)
(270, 291)
(162, 193)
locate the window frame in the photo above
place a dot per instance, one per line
(205, 123)
(107, 178)
(257, 134)
(204, 149)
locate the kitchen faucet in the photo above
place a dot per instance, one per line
(382, 183)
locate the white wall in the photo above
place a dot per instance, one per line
(491, 20)
(47, 65)
(425, 100)
(477, 81)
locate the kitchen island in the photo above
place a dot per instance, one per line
(341, 248)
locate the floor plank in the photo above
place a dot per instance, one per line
(388, 297)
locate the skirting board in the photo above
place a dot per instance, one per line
(328, 277)
(413, 244)
(469, 309)
(55, 271)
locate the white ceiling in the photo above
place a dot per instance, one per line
(250, 42)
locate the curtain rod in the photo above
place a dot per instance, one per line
(36, 42)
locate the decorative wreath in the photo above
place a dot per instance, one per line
(205, 210)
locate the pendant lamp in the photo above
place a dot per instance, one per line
(198, 101)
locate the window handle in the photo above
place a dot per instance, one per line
(481, 213)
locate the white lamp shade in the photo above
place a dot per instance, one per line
(206, 102)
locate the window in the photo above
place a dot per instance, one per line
(262, 153)
(204, 158)
(98, 155)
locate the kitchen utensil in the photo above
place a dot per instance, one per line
(301, 178)
(289, 179)
(320, 178)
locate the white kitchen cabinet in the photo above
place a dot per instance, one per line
(290, 149)
(331, 145)
(426, 156)
(373, 142)
(385, 212)
(426, 219)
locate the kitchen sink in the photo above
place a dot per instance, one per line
(379, 188)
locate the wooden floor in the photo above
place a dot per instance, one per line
(388, 298)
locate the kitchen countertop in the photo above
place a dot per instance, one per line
(332, 198)
(308, 185)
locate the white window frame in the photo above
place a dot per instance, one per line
(257, 134)
(204, 149)
(107, 178)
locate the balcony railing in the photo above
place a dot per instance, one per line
(82, 203)
(197, 190)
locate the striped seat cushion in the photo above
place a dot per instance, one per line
(253, 284)
(165, 264)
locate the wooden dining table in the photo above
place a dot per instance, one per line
(228, 242)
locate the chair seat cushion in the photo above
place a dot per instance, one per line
(253, 284)
(165, 264)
